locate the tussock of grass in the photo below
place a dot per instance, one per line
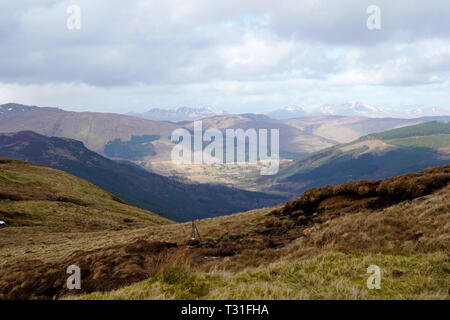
(327, 276)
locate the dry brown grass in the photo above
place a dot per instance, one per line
(325, 276)
(408, 227)
(255, 239)
(366, 194)
(50, 213)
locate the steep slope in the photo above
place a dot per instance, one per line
(316, 247)
(36, 196)
(375, 156)
(168, 197)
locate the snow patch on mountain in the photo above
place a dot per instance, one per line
(288, 112)
(180, 114)
(354, 108)
(9, 109)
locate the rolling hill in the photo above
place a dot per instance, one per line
(167, 197)
(316, 247)
(374, 156)
(293, 141)
(146, 143)
(35, 196)
(297, 136)
(94, 129)
(347, 129)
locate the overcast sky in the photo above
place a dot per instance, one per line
(233, 55)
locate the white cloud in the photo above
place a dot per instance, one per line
(240, 55)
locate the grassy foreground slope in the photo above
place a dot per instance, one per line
(43, 206)
(343, 230)
(37, 196)
(318, 246)
(326, 276)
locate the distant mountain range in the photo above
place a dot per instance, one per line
(167, 197)
(288, 112)
(356, 109)
(120, 136)
(146, 142)
(346, 129)
(348, 109)
(375, 156)
(94, 129)
(177, 115)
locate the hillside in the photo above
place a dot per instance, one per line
(374, 156)
(34, 196)
(292, 140)
(347, 129)
(167, 197)
(146, 143)
(316, 247)
(94, 129)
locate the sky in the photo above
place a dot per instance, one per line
(238, 56)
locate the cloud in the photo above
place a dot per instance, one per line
(236, 53)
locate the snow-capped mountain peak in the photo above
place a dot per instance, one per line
(287, 112)
(352, 108)
(180, 114)
(355, 108)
